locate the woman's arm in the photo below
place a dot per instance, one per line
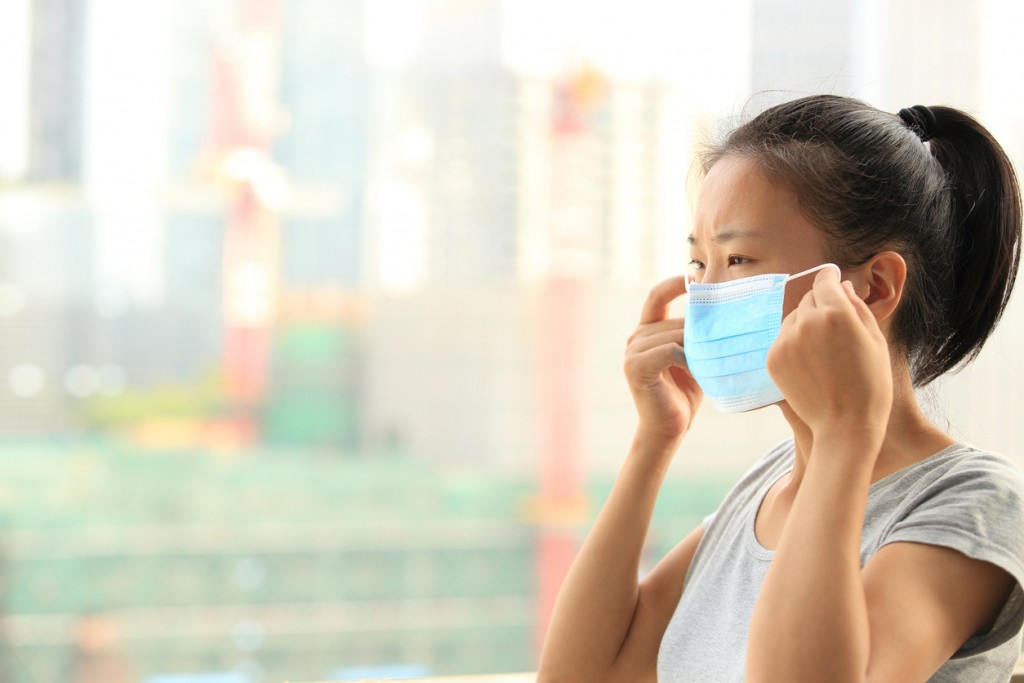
(811, 619)
(818, 615)
(605, 620)
(607, 625)
(831, 362)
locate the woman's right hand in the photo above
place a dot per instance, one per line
(665, 394)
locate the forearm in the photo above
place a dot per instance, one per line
(810, 622)
(598, 599)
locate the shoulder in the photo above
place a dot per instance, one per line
(962, 462)
(955, 476)
(957, 473)
(963, 498)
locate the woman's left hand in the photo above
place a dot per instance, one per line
(831, 361)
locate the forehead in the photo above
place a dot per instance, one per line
(738, 199)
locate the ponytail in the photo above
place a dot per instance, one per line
(986, 235)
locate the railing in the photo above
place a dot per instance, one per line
(1018, 677)
(488, 678)
(493, 678)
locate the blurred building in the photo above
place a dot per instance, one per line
(77, 329)
(276, 568)
(45, 227)
(56, 100)
(125, 259)
(45, 274)
(315, 391)
(487, 181)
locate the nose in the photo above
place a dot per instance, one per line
(713, 275)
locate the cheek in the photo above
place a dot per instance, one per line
(795, 292)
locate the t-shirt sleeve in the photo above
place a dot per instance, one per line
(977, 508)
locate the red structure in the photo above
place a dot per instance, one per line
(244, 119)
(562, 507)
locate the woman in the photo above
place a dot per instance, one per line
(873, 546)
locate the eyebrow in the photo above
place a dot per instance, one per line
(727, 236)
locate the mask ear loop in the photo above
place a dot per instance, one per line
(687, 279)
(815, 269)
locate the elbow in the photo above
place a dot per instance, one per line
(546, 673)
(545, 676)
(548, 676)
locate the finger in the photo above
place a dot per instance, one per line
(827, 288)
(789, 320)
(808, 302)
(862, 309)
(650, 364)
(677, 357)
(654, 328)
(641, 344)
(829, 274)
(656, 306)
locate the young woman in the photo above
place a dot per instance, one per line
(843, 256)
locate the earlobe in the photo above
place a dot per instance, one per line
(884, 275)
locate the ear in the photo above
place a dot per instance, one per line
(879, 283)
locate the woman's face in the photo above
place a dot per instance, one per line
(746, 225)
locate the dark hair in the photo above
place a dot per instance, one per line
(951, 207)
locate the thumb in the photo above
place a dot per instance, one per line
(832, 272)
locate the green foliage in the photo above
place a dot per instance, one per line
(207, 397)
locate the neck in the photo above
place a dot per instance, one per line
(909, 436)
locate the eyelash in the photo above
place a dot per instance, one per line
(697, 265)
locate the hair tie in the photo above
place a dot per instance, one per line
(921, 120)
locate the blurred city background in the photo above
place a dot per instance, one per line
(312, 311)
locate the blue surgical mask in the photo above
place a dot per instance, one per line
(728, 330)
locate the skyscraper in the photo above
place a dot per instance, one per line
(494, 204)
(56, 99)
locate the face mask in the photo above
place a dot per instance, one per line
(728, 330)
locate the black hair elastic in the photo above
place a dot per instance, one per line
(921, 120)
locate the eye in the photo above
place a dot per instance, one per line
(738, 260)
(696, 265)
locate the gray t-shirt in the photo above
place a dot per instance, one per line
(960, 498)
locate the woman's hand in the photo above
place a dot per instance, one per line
(831, 361)
(607, 623)
(665, 394)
